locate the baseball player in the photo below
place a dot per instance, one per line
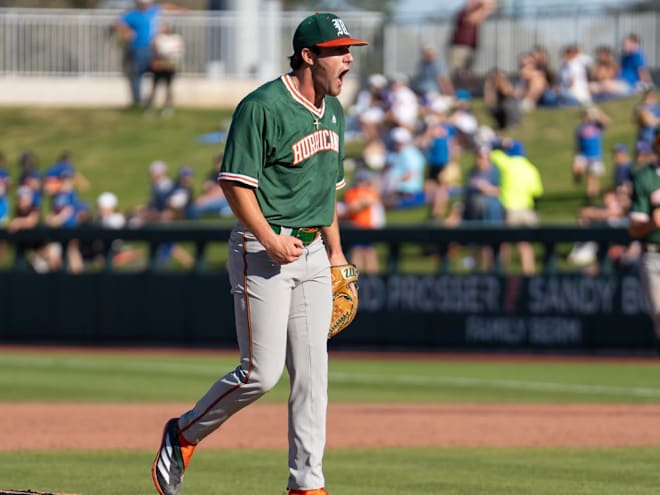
(645, 225)
(282, 165)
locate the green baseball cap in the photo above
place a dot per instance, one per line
(324, 30)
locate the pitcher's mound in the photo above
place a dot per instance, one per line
(29, 492)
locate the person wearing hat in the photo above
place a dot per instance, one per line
(281, 168)
(645, 226)
(622, 168)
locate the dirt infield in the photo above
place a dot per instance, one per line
(138, 426)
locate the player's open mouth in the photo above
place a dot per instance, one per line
(342, 75)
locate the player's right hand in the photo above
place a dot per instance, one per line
(285, 249)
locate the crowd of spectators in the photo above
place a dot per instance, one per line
(51, 198)
(418, 129)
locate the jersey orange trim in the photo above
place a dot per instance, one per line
(245, 179)
(286, 79)
(340, 185)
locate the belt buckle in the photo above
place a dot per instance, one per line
(307, 233)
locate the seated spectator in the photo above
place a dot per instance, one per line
(432, 77)
(645, 155)
(501, 100)
(573, 77)
(532, 82)
(159, 191)
(613, 211)
(646, 115)
(463, 119)
(5, 183)
(403, 180)
(96, 252)
(362, 207)
(366, 116)
(402, 105)
(588, 159)
(542, 60)
(64, 212)
(606, 82)
(623, 168)
(181, 197)
(211, 200)
(634, 70)
(64, 163)
(27, 216)
(27, 164)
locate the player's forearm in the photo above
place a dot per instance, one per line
(244, 205)
(332, 240)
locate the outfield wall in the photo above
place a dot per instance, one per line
(432, 312)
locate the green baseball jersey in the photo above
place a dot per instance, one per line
(289, 151)
(646, 197)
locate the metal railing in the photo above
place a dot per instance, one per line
(48, 42)
(548, 239)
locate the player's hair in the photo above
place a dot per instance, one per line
(296, 60)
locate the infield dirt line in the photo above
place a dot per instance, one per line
(138, 426)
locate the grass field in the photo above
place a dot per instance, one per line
(47, 375)
(113, 148)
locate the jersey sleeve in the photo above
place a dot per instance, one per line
(245, 150)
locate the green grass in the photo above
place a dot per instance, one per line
(612, 471)
(133, 377)
(58, 375)
(113, 148)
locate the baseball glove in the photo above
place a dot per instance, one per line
(344, 302)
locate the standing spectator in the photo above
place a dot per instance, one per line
(438, 142)
(362, 207)
(634, 70)
(432, 78)
(137, 29)
(168, 47)
(482, 199)
(404, 176)
(465, 37)
(520, 189)
(645, 226)
(482, 190)
(646, 115)
(588, 159)
(574, 77)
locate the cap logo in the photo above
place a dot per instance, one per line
(341, 28)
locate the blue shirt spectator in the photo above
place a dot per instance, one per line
(143, 21)
(589, 139)
(633, 63)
